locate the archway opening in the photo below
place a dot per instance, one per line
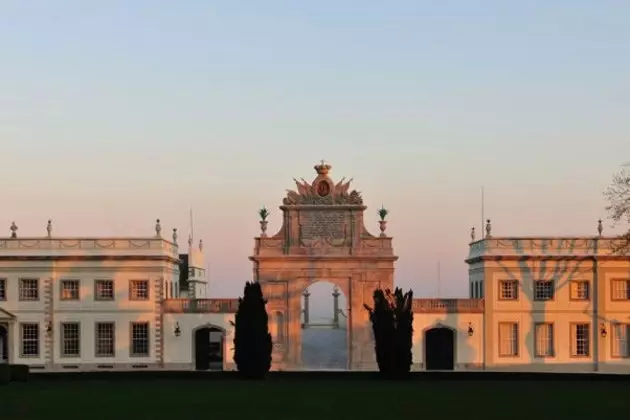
(4, 344)
(324, 323)
(209, 346)
(439, 349)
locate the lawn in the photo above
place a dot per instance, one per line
(294, 399)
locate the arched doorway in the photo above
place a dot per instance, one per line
(324, 324)
(4, 344)
(209, 348)
(439, 349)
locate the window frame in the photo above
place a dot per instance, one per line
(516, 346)
(515, 284)
(132, 297)
(132, 352)
(62, 285)
(551, 339)
(614, 337)
(553, 291)
(98, 297)
(3, 289)
(21, 282)
(574, 340)
(612, 289)
(37, 340)
(62, 331)
(578, 283)
(96, 340)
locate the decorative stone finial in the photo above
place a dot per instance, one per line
(488, 228)
(158, 229)
(263, 213)
(600, 227)
(175, 236)
(200, 244)
(472, 234)
(14, 230)
(322, 168)
(382, 224)
(49, 228)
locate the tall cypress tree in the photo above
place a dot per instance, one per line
(252, 340)
(392, 323)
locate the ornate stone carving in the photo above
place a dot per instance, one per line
(322, 191)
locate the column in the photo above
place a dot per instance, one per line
(306, 309)
(336, 307)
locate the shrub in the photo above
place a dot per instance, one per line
(19, 373)
(5, 373)
(392, 323)
(252, 340)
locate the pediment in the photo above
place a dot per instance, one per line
(6, 315)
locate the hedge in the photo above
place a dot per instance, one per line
(19, 373)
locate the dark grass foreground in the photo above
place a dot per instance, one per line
(178, 396)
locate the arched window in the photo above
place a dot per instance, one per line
(279, 326)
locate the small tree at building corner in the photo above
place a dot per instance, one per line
(392, 323)
(252, 340)
(618, 196)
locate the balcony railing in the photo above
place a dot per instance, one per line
(447, 305)
(194, 306)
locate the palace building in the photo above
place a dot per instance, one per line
(535, 304)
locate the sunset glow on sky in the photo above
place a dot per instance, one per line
(115, 113)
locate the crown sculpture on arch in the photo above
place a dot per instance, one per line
(322, 191)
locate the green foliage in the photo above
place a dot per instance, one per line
(5, 373)
(392, 323)
(264, 213)
(252, 340)
(19, 373)
(382, 213)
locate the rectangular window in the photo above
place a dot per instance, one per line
(71, 339)
(70, 289)
(140, 339)
(3, 289)
(481, 289)
(544, 340)
(105, 339)
(472, 289)
(29, 289)
(104, 290)
(580, 340)
(508, 290)
(580, 290)
(543, 290)
(30, 340)
(508, 339)
(621, 290)
(138, 290)
(620, 340)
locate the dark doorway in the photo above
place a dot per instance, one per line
(439, 349)
(4, 344)
(209, 348)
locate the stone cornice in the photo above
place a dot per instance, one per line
(331, 258)
(165, 258)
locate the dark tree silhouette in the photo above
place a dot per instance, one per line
(618, 196)
(252, 340)
(392, 323)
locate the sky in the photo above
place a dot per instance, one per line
(115, 113)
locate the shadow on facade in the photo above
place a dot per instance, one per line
(542, 340)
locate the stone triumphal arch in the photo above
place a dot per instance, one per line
(322, 237)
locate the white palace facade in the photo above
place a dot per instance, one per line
(86, 304)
